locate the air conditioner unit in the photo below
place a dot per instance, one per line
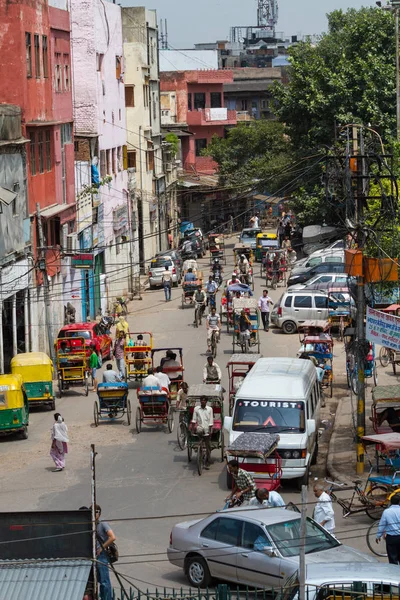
(72, 243)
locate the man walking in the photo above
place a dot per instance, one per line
(167, 282)
(105, 537)
(389, 526)
(118, 352)
(263, 305)
(324, 514)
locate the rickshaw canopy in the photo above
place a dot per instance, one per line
(240, 287)
(33, 366)
(11, 392)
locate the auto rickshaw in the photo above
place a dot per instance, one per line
(36, 370)
(263, 241)
(14, 408)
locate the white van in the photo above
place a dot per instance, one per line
(281, 395)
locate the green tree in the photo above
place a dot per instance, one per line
(349, 76)
(172, 138)
(252, 154)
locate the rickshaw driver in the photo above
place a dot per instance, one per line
(245, 328)
(244, 268)
(213, 323)
(211, 371)
(64, 349)
(202, 424)
(200, 298)
(211, 288)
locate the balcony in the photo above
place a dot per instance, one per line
(211, 116)
(244, 115)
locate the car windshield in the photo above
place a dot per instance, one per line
(76, 333)
(268, 415)
(286, 537)
(249, 234)
(161, 262)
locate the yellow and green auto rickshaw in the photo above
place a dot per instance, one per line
(265, 241)
(14, 409)
(36, 370)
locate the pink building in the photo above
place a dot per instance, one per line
(194, 100)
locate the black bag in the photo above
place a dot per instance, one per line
(112, 551)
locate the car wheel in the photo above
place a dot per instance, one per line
(229, 480)
(198, 573)
(303, 480)
(315, 455)
(289, 327)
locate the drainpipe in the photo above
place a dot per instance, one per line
(14, 324)
(1, 328)
(26, 319)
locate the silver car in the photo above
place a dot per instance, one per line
(252, 546)
(157, 268)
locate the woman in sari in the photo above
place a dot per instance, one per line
(59, 442)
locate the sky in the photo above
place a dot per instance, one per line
(195, 21)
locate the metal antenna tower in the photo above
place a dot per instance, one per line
(267, 14)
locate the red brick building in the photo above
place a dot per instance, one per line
(35, 74)
(194, 100)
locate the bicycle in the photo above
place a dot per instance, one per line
(211, 300)
(213, 343)
(377, 548)
(198, 313)
(372, 501)
(203, 453)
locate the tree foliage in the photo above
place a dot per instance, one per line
(349, 76)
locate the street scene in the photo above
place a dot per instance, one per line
(199, 300)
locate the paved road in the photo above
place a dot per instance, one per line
(144, 476)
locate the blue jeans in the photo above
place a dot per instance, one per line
(167, 291)
(103, 573)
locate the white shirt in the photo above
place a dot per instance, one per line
(167, 275)
(323, 511)
(203, 417)
(263, 303)
(150, 381)
(163, 379)
(274, 500)
(213, 321)
(255, 223)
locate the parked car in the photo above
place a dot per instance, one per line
(322, 281)
(248, 236)
(252, 546)
(331, 256)
(157, 268)
(295, 307)
(337, 581)
(326, 267)
(92, 334)
(197, 235)
(175, 255)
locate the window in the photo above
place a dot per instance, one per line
(28, 54)
(146, 94)
(189, 101)
(66, 133)
(103, 164)
(66, 73)
(131, 159)
(333, 259)
(200, 146)
(37, 55)
(150, 160)
(45, 56)
(264, 104)
(210, 531)
(253, 533)
(57, 72)
(14, 202)
(118, 67)
(244, 104)
(129, 95)
(119, 159)
(32, 152)
(109, 165)
(114, 160)
(48, 149)
(215, 98)
(228, 531)
(99, 59)
(199, 101)
(321, 302)
(54, 233)
(313, 262)
(287, 533)
(40, 145)
(288, 301)
(154, 106)
(302, 302)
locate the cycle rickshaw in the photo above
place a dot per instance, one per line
(339, 309)
(238, 250)
(232, 291)
(352, 358)
(72, 364)
(384, 398)
(171, 366)
(388, 355)
(137, 354)
(274, 264)
(238, 367)
(217, 247)
(257, 454)
(188, 291)
(194, 442)
(321, 348)
(250, 338)
(155, 408)
(112, 403)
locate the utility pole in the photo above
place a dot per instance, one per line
(94, 524)
(46, 291)
(303, 532)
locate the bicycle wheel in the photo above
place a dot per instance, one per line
(200, 450)
(376, 499)
(384, 356)
(379, 549)
(181, 435)
(214, 346)
(274, 282)
(354, 380)
(196, 317)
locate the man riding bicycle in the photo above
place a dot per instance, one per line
(211, 289)
(213, 323)
(245, 327)
(201, 299)
(202, 424)
(244, 268)
(211, 371)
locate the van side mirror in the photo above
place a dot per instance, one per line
(310, 426)
(228, 423)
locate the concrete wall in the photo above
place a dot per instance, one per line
(188, 60)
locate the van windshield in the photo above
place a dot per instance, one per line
(269, 415)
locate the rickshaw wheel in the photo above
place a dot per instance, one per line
(384, 357)
(331, 388)
(394, 364)
(138, 420)
(128, 412)
(170, 419)
(60, 386)
(221, 441)
(24, 433)
(200, 452)
(53, 404)
(86, 384)
(189, 452)
(96, 413)
(375, 375)
(181, 436)
(354, 381)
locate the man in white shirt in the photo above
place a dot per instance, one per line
(211, 371)
(163, 378)
(213, 323)
(324, 514)
(167, 283)
(263, 305)
(150, 383)
(202, 423)
(264, 497)
(110, 376)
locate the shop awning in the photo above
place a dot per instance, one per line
(66, 212)
(44, 579)
(7, 196)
